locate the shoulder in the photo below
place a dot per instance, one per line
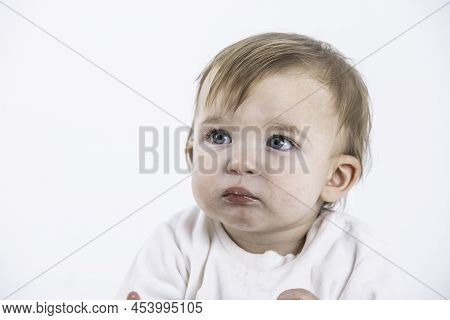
(188, 224)
(161, 269)
(372, 273)
(344, 239)
(352, 232)
(188, 231)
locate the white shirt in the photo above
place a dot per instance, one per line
(192, 257)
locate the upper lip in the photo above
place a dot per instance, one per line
(239, 191)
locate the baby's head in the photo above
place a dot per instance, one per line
(285, 117)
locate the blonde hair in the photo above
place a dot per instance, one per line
(240, 66)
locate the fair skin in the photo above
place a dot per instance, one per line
(311, 168)
(289, 199)
(310, 163)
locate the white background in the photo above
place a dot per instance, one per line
(69, 142)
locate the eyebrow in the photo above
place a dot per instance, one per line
(213, 119)
(279, 125)
(286, 126)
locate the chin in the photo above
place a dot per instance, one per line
(240, 217)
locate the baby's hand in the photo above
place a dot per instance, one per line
(133, 295)
(297, 294)
(291, 294)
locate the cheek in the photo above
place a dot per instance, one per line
(288, 163)
(203, 187)
(299, 184)
(208, 160)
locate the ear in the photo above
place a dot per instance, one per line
(189, 152)
(344, 172)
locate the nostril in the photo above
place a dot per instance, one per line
(241, 167)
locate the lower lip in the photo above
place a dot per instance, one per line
(233, 198)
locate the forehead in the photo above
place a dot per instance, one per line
(288, 97)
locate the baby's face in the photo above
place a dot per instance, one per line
(285, 169)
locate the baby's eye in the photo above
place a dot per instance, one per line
(279, 142)
(219, 137)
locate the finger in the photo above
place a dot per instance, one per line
(297, 294)
(133, 295)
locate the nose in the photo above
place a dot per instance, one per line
(242, 163)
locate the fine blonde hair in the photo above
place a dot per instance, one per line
(239, 67)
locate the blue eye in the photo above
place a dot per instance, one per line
(219, 137)
(279, 143)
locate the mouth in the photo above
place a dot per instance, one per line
(239, 195)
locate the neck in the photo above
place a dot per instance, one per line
(289, 240)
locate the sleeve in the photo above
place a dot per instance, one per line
(373, 278)
(159, 269)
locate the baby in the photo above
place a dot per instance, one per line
(279, 136)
